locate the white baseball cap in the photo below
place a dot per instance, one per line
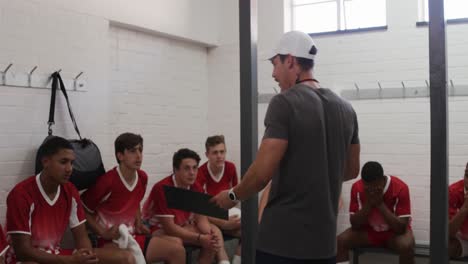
(297, 44)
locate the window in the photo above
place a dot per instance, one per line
(314, 16)
(454, 9)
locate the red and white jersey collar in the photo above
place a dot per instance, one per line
(175, 182)
(44, 194)
(125, 183)
(216, 178)
(387, 184)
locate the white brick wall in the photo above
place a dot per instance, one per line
(191, 20)
(136, 82)
(34, 34)
(158, 89)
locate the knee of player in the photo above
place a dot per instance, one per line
(126, 257)
(178, 242)
(216, 230)
(454, 248)
(177, 248)
(343, 240)
(406, 246)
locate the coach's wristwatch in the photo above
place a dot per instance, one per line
(232, 195)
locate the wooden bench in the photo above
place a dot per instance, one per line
(420, 250)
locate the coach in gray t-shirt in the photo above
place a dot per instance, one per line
(311, 142)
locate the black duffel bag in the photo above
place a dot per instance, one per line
(88, 165)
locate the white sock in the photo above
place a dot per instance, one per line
(224, 262)
(236, 259)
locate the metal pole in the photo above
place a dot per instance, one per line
(439, 132)
(248, 108)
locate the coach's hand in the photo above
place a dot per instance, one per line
(223, 201)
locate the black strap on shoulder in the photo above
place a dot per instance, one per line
(57, 82)
(52, 104)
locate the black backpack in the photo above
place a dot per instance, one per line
(88, 164)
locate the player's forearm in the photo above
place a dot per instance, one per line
(186, 235)
(138, 218)
(83, 243)
(218, 222)
(39, 256)
(81, 238)
(456, 222)
(360, 218)
(93, 224)
(396, 223)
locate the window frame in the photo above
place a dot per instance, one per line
(423, 20)
(340, 17)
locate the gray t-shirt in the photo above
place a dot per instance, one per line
(299, 220)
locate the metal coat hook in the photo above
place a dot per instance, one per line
(78, 76)
(30, 74)
(357, 89)
(5, 72)
(452, 86)
(380, 90)
(427, 83)
(404, 89)
(8, 68)
(276, 91)
(32, 79)
(75, 81)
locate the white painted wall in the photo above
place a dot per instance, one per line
(151, 96)
(187, 19)
(149, 84)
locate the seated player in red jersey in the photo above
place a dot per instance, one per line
(192, 228)
(216, 175)
(380, 215)
(40, 208)
(458, 212)
(115, 199)
(3, 245)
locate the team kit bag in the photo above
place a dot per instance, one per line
(88, 165)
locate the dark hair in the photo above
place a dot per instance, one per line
(213, 141)
(372, 171)
(181, 154)
(304, 64)
(126, 141)
(53, 145)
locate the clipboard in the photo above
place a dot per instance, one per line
(191, 201)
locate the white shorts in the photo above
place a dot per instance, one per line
(463, 245)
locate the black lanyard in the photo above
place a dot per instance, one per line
(306, 80)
